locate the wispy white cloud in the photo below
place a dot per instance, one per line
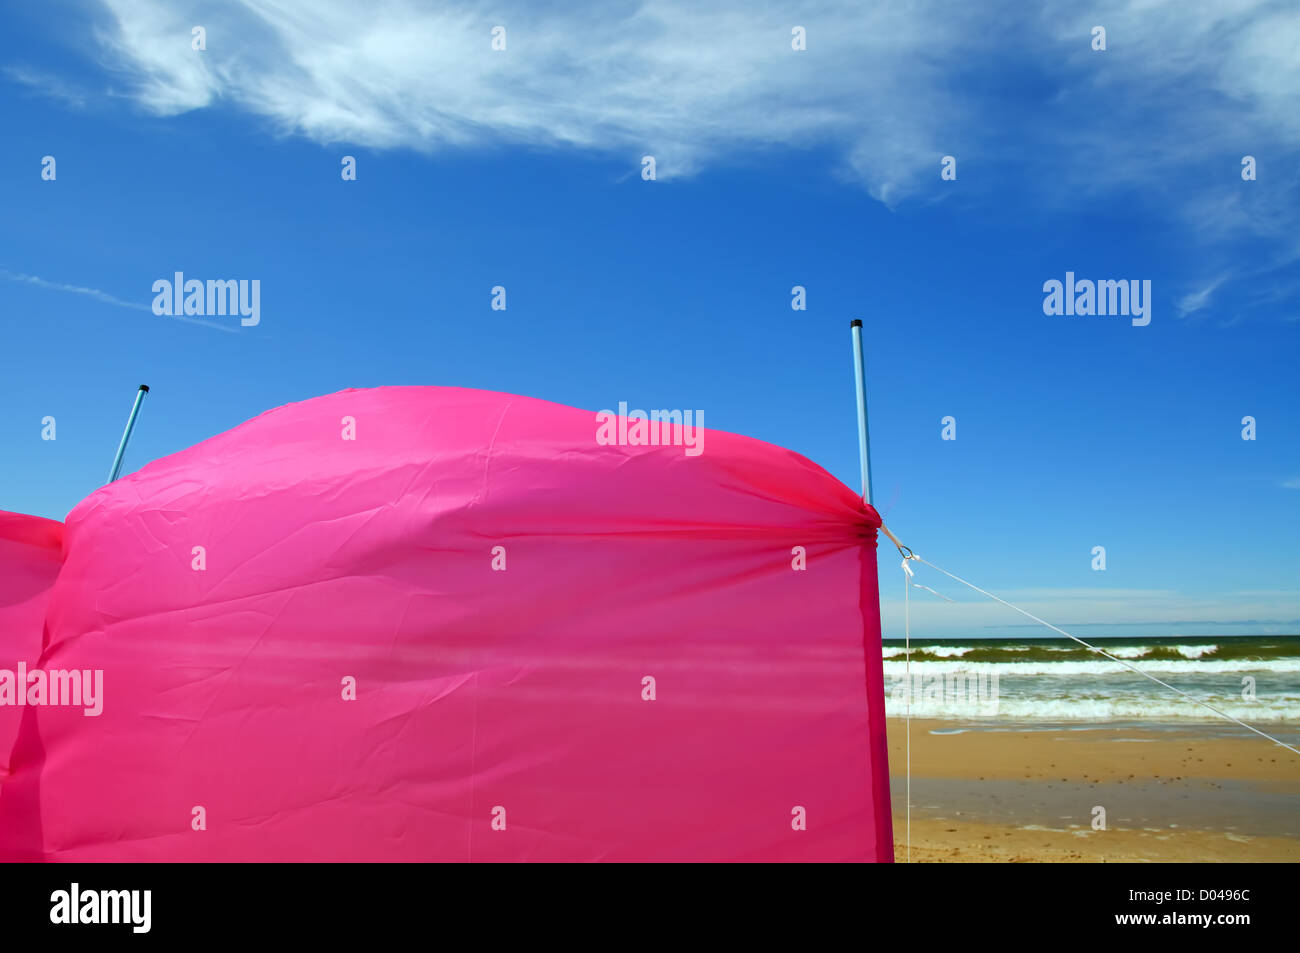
(1197, 300)
(1162, 117)
(688, 84)
(891, 87)
(1291, 484)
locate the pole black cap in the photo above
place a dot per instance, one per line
(145, 388)
(855, 323)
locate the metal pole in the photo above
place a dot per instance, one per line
(860, 378)
(126, 434)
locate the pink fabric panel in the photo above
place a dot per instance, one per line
(30, 554)
(500, 714)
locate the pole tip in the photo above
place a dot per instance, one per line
(145, 388)
(855, 323)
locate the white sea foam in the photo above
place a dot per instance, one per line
(1127, 708)
(1129, 651)
(947, 651)
(1140, 651)
(1195, 651)
(1098, 666)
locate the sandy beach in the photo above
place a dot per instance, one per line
(1184, 794)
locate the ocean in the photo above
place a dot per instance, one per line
(1007, 683)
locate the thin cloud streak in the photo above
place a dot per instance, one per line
(46, 84)
(95, 293)
(101, 296)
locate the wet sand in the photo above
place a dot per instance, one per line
(1182, 794)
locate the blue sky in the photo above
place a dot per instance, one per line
(776, 168)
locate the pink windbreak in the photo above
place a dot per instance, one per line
(426, 623)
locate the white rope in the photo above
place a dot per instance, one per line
(910, 555)
(917, 585)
